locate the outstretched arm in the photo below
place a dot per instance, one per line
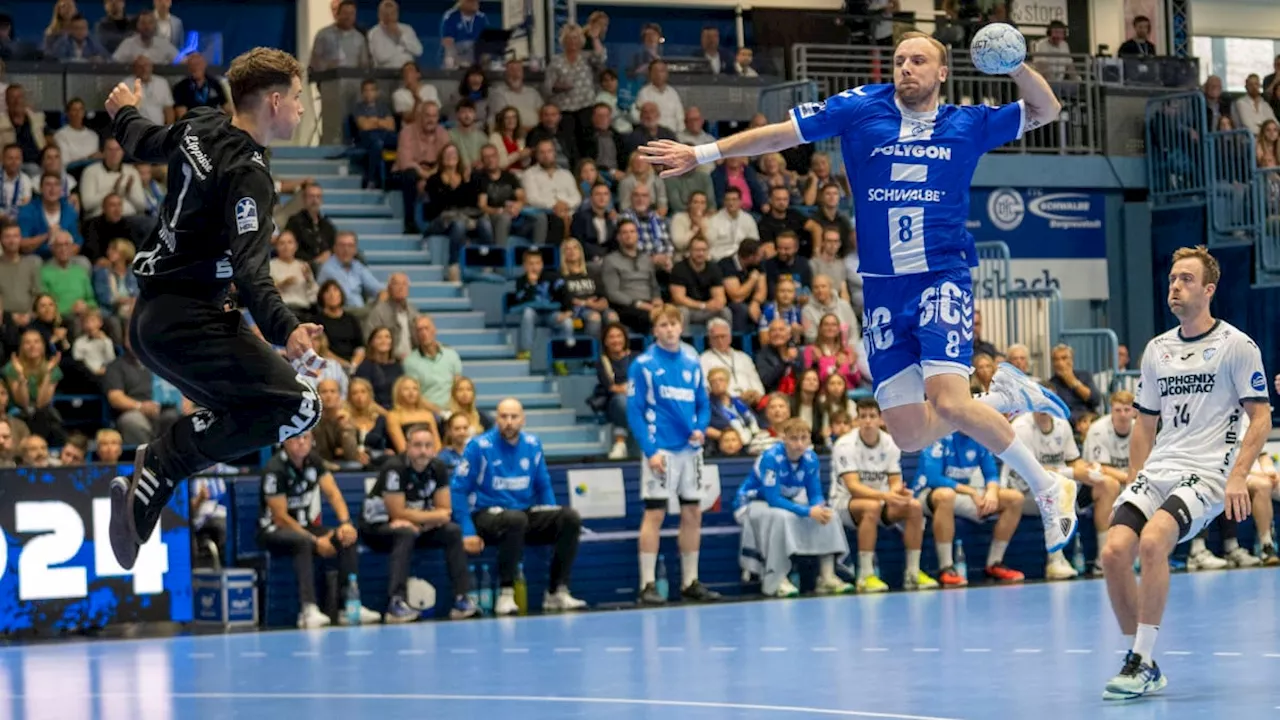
(1043, 107)
(140, 138)
(679, 159)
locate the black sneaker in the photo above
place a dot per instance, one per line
(136, 506)
(649, 595)
(697, 592)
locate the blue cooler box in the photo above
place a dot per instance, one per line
(226, 597)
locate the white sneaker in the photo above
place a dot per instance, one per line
(561, 601)
(1242, 558)
(833, 586)
(505, 605)
(1059, 569)
(1022, 394)
(1205, 560)
(1058, 512)
(618, 451)
(786, 589)
(367, 617)
(311, 618)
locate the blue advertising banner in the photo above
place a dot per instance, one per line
(1055, 239)
(57, 571)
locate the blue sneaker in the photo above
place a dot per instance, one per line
(1136, 679)
(463, 608)
(1022, 394)
(398, 611)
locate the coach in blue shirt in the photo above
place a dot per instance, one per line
(514, 505)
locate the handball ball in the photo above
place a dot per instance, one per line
(998, 49)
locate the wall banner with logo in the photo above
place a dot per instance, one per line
(1055, 238)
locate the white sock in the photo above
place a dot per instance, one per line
(913, 563)
(1197, 546)
(995, 555)
(648, 565)
(688, 568)
(1145, 641)
(944, 554)
(1020, 458)
(827, 568)
(507, 592)
(994, 400)
(1229, 544)
(866, 564)
(1265, 538)
(1057, 557)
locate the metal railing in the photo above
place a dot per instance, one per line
(1030, 317)
(1175, 128)
(1233, 210)
(836, 68)
(777, 100)
(1125, 380)
(1096, 352)
(1266, 198)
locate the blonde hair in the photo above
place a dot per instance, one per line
(569, 29)
(396, 404)
(105, 434)
(582, 257)
(374, 411)
(944, 55)
(125, 247)
(471, 412)
(1212, 271)
(1124, 397)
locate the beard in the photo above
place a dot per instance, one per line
(917, 93)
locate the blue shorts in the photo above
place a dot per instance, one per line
(917, 326)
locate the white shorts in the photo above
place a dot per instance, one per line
(840, 503)
(683, 479)
(1193, 501)
(966, 507)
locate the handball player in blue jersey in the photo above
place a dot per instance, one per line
(911, 158)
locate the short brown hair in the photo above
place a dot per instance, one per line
(1212, 272)
(1124, 397)
(794, 426)
(667, 312)
(867, 403)
(943, 55)
(841, 416)
(258, 71)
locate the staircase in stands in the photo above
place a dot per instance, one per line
(488, 354)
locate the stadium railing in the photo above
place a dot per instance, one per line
(1234, 213)
(1176, 151)
(1097, 352)
(1266, 200)
(49, 85)
(776, 101)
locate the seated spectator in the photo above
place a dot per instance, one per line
(1075, 388)
(832, 353)
(649, 128)
(984, 369)
(551, 187)
(742, 63)
(630, 280)
(608, 96)
(582, 289)
(341, 44)
(413, 93)
(744, 381)
(1139, 45)
(359, 286)
(396, 314)
(681, 190)
(130, 390)
(835, 403)
(292, 483)
(697, 287)
(819, 178)
(46, 320)
(1053, 56)
(335, 368)
(77, 45)
(665, 97)
(603, 143)
(730, 227)
(145, 43)
(515, 506)
(15, 426)
(694, 132)
(67, 281)
(408, 407)
(462, 402)
(367, 417)
(570, 82)
(641, 174)
(777, 358)
(457, 435)
(417, 157)
(550, 127)
(736, 173)
(52, 215)
(77, 142)
(74, 451)
(346, 339)
(1019, 356)
(653, 229)
(21, 125)
(314, 232)
(595, 224)
(452, 205)
(826, 262)
(16, 188)
(537, 297)
(106, 228)
(783, 307)
(152, 190)
(293, 277)
(690, 223)
(788, 262)
(868, 493)
(514, 93)
(460, 29)
(111, 175)
(391, 42)
(92, 347)
(334, 435)
(783, 513)
(380, 366)
(375, 130)
(473, 86)
(1268, 145)
(198, 89)
(508, 139)
(830, 218)
(777, 410)
(108, 446)
(157, 98)
(781, 219)
(588, 177)
(823, 302)
(806, 403)
(728, 413)
(51, 164)
(209, 519)
(610, 396)
(774, 174)
(466, 134)
(502, 200)
(1054, 444)
(946, 473)
(433, 365)
(20, 282)
(981, 345)
(35, 452)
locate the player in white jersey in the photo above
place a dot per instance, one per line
(911, 159)
(1197, 381)
(867, 492)
(1106, 449)
(1263, 490)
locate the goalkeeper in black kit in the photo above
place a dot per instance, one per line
(215, 228)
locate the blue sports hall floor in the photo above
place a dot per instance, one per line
(1037, 651)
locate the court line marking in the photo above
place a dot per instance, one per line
(771, 649)
(926, 650)
(618, 649)
(253, 654)
(789, 709)
(568, 650)
(1227, 654)
(411, 651)
(1271, 655)
(669, 648)
(305, 653)
(515, 651)
(1177, 652)
(723, 648)
(463, 651)
(977, 650)
(359, 653)
(1080, 651)
(1027, 651)
(875, 649)
(824, 649)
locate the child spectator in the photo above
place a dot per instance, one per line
(538, 293)
(93, 347)
(783, 307)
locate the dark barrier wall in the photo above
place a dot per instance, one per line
(57, 572)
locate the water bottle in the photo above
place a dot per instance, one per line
(351, 598)
(486, 590)
(474, 593)
(1077, 556)
(521, 591)
(962, 567)
(660, 579)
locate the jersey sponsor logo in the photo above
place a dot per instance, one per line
(304, 418)
(1051, 458)
(246, 216)
(808, 110)
(1193, 384)
(675, 393)
(1064, 211)
(932, 152)
(688, 376)
(909, 172)
(393, 481)
(905, 195)
(1209, 353)
(1006, 209)
(257, 158)
(514, 483)
(1258, 382)
(195, 155)
(524, 463)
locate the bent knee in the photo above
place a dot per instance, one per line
(1012, 496)
(942, 496)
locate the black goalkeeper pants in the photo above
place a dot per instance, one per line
(251, 396)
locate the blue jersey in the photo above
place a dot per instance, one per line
(451, 458)
(952, 461)
(500, 475)
(778, 481)
(792, 315)
(910, 173)
(666, 399)
(464, 30)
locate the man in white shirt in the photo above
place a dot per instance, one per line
(76, 141)
(552, 188)
(146, 42)
(658, 92)
(340, 44)
(744, 380)
(730, 226)
(112, 175)
(413, 93)
(391, 42)
(1052, 56)
(15, 188)
(168, 25)
(51, 163)
(157, 99)
(514, 93)
(1252, 110)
